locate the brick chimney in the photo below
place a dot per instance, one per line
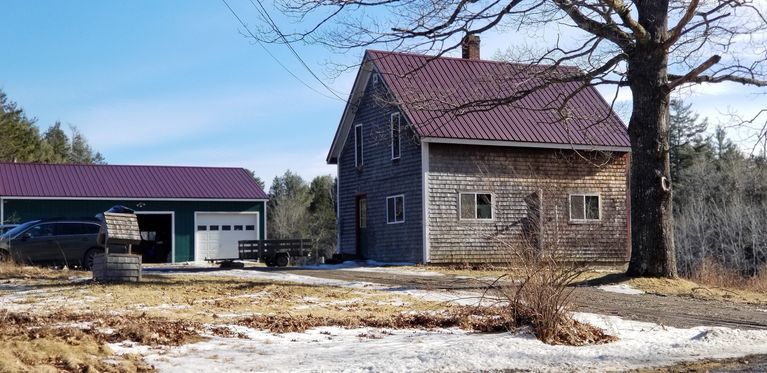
(470, 47)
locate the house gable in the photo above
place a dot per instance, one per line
(378, 178)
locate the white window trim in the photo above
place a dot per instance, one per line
(361, 146)
(492, 206)
(399, 134)
(584, 195)
(395, 204)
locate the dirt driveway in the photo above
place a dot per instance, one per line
(664, 310)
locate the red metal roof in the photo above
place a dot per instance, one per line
(428, 87)
(110, 181)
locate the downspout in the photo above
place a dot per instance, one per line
(2, 211)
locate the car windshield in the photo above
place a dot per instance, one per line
(18, 229)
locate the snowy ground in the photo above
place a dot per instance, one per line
(335, 349)
(376, 350)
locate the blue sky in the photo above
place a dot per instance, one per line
(160, 82)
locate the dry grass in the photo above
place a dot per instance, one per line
(683, 288)
(214, 299)
(478, 319)
(34, 344)
(13, 270)
(712, 273)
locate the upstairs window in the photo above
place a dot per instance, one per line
(358, 145)
(584, 207)
(395, 141)
(395, 209)
(476, 206)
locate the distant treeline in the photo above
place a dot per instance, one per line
(298, 209)
(720, 197)
(22, 141)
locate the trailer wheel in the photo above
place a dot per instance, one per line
(281, 260)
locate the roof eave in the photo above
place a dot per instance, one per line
(352, 104)
(520, 144)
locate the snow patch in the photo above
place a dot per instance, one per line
(621, 289)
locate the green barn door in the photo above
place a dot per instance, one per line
(362, 225)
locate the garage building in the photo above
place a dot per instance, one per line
(185, 213)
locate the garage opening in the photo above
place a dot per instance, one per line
(156, 237)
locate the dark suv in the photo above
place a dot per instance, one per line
(70, 242)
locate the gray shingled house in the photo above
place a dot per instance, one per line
(421, 180)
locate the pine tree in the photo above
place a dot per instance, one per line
(59, 143)
(685, 137)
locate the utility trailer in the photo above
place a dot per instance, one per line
(274, 253)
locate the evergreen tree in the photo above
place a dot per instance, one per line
(80, 151)
(19, 138)
(21, 141)
(59, 143)
(686, 140)
(258, 180)
(322, 212)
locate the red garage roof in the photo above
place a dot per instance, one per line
(119, 182)
(427, 88)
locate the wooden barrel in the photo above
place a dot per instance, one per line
(117, 268)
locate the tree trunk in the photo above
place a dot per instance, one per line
(652, 224)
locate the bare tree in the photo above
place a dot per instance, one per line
(650, 46)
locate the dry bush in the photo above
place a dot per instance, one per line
(712, 273)
(542, 277)
(540, 296)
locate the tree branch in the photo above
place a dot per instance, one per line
(694, 73)
(624, 11)
(676, 32)
(615, 35)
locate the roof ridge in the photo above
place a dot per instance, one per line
(468, 60)
(117, 165)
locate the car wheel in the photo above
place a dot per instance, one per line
(88, 257)
(281, 260)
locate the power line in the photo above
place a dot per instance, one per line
(247, 29)
(264, 13)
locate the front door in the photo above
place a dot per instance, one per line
(362, 225)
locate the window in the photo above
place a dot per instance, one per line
(214, 227)
(584, 207)
(250, 227)
(476, 206)
(395, 209)
(43, 230)
(238, 227)
(358, 145)
(226, 227)
(202, 227)
(395, 142)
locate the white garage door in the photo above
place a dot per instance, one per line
(216, 234)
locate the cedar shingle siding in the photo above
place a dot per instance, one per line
(512, 174)
(379, 177)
